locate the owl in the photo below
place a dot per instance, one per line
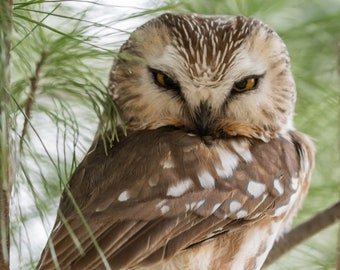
(208, 171)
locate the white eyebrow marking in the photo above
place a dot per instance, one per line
(278, 186)
(124, 196)
(256, 189)
(207, 181)
(179, 188)
(229, 162)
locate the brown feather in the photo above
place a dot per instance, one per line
(135, 232)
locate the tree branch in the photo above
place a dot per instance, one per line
(5, 165)
(303, 232)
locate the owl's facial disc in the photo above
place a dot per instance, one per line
(214, 76)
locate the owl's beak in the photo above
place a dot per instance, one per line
(202, 118)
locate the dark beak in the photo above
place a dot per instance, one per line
(202, 119)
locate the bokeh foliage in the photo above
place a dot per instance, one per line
(62, 52)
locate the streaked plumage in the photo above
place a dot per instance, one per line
(211, 171)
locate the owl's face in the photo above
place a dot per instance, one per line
(213, 76)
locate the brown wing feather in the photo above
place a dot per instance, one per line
(158, 192)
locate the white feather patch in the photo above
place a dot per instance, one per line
(179, 188)
(242, 150)
(207, 181)
(234, 206)
(165, 209)
(241, 214)
(278, 186)
(256, 189)
(124, 196)
(229, 162)
(294, 183)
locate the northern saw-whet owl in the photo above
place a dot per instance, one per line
(211, 170)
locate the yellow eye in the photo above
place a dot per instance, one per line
(164, 81)
(160, 78)
(246, 84)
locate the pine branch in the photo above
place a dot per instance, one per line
(5, 166)
(303, 232)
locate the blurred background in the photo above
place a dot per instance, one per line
(61, 56)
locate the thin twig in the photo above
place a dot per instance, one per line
(303, 232)
(31, 97)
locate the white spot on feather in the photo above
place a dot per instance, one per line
(165, 209)
(287, 207)
(278, 186)
(294, 183)
(194, 205)
(281, 210)
(234, 206)
(200, 203)
(179, 188)
(168, 162)
(256, 189)
(229, 162)
(161, 203)
(241, 214)
(207, 181)
(256, 215)
(215, 207)
(124, 196)
(242, 150)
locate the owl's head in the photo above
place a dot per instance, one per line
(211, 75)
